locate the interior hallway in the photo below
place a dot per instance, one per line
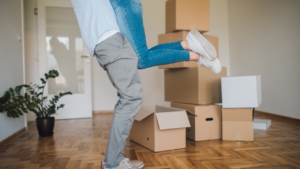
(81, 144)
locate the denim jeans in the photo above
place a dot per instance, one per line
(129, 15)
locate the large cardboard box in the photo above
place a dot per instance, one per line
(237, 124)
(197, 85)
(160, 128)
(241, 91)
(177, 36)
(187, 15)
(205, 120)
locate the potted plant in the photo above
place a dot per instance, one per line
(15, 104)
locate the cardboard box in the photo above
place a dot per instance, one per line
(241, 91)
(187, 15)
(237, 124)
(177, 36)
(262, 124)
(160, 128)
(205, 120)
(197, 85)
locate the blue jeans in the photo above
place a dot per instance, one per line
(129, 15)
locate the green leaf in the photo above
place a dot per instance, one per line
(61, 106)
(39, 94)
(9, 114)
(18, 90)
(1, 108)
(46, 76)
(31, 106)
(5, 97)
(15, 114)
(43, 81)
(24, 110)
(12, 92)
(19, 112)
(28, 98)
(33, 98)
(38, 101)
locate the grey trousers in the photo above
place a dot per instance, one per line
(117, 57)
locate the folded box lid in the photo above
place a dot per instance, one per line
(237, 114)
(167, 118)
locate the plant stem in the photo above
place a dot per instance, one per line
(43, 97)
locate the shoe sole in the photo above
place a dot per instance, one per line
(210, 50)
(141, 166)
(218, 65)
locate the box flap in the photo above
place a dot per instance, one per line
(144, 112)
(237, 114)
(172, 120)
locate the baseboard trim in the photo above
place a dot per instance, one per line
(276, 116)
(11, 137)
(103, 112)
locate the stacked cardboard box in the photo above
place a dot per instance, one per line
(188, 86)
(240, 96)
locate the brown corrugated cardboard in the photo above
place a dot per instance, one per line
(197, 85)
(238, 131)
(206, 122)
(160, 128)
(237, 124)
(183, 64)
(187, 15)
(181, 35)
(239, 114)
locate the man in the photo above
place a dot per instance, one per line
(114, 53)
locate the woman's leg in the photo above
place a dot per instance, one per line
(179, 45)
(130, 20)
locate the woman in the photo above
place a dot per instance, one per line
(195, 48)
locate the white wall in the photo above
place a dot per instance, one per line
(11, 59)
(30, 25)
(104, 95)
(264, 39)
(219, 28)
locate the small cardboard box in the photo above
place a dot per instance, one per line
(241, 91)
(160, 128)
(197, 85)
(205, 120)
(187, 15)
(237, 124)
(177, 36)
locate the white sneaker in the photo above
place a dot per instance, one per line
(213, 65)
(127, 163)
(199, 44)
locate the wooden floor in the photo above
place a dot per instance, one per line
(81, 144)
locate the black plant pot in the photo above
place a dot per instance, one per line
(45, 126)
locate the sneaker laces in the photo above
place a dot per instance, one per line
(126, 164)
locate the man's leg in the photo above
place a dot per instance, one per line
(119, 59)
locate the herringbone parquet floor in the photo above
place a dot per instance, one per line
(81, 144)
